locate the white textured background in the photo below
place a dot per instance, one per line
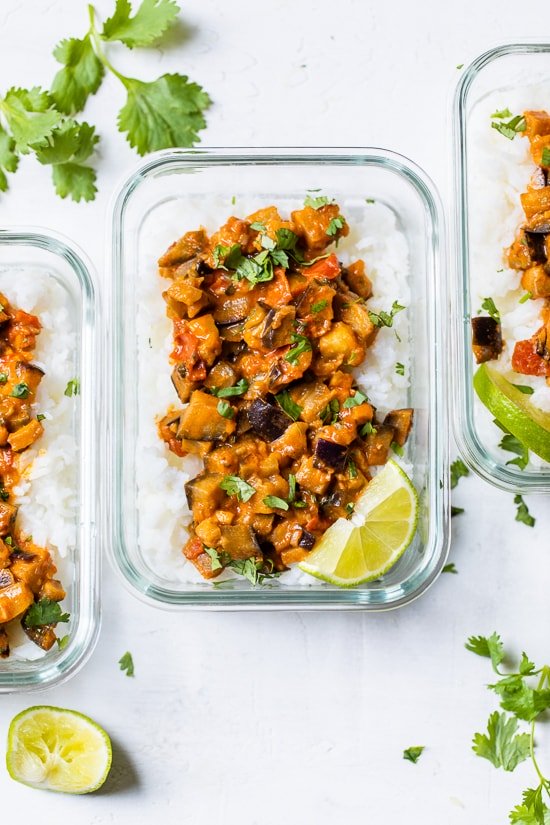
(288, 717)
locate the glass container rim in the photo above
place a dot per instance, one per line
(164, 161)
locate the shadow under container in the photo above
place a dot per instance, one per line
(53, 259)
(351, 176)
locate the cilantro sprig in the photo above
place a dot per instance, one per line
(385, 319)
(43, 612)
(126, 664)
(157, 114)
(524, 694)
(508, 128)
(255, 570)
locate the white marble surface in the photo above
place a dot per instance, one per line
(301, 718)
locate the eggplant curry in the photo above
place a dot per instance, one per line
(28, 590)
(268, 327)
(530, 255)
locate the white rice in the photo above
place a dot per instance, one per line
(46, 494)
(499, 172)
(162, 506)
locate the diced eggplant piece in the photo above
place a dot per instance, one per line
(15, 599)
(232, 309)
(222, 374)
(535, 242)
(26, 435)
(183, 386)
(539, 178)
(6, 578)
(307, 540)
(7, 517)
(401, 421)
(43, 636)
(278, 327)
(536, 280)
(486, 339)
(331, 453)
(313, 398)
(268, 422)
(201, 421)
(194, 551)
(29, 374)
(378, 445)
(356, 278)
(184, 249)
(239, 541)
(4, 644)
(204, 495)
(232, 333)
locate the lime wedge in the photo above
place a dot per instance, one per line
(351, 553)
(58, 750)
(514, 410)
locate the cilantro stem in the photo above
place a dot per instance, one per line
(545, 673)
(96, 43)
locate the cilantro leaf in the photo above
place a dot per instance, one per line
(8, 158)
(458, 471)
(317, 202)
(489, 646)
(31, 116)
(72, 388)
(44, 611)
(215, 561)
(523, 515)
(67, 147)
(355, 400)
(489, 306)
(63, 642)
(334, 225)
(80, 76)
(511, 127)
(225, 409)
(151, 20)
(301, 344)
(227, 392)
(456, 511)
(319, 306)
(545, 157)
(525, 815)
(286, 403)
(126, 663)
(236, 486)
(275, 502)
(524, 388)
(502, 745)
(413, 754)
(164, 113)
(519, 698)
(526, 666)
(512, 444)
(385, 319)
(450, 568)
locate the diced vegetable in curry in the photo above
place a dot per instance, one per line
(268, 327)
(530, 255)
(27, 571)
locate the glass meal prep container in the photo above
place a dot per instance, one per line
(156, 195)
(507, 76)
(55, 269)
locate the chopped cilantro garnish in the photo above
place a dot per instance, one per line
(3, 377)
(510, 128)
(275, 502)
(413, 754)
(317, 202)
(523, 515)
(458, 471)
(525, 297)
(227, 392)
(489, 306)
(385, 319)
(319, 306)
(286, 403)
(72, 388)
(235, 486)
(301, 344)
(335, 224)
(355, 400)
(225, 409)
(400, 368)
(545, 158)
(126, 663)
(450, 568)
(44, 611)
(20, 390)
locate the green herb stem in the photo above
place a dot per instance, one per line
(100, 54)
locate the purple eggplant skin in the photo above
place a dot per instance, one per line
(331, 453)
(307, 540)
(536, 244)
(486, 339)
(268, 421)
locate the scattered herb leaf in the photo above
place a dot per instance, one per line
(286, 403)
(523, 515)
(235, 486)
(72, 388)
(450, 568)
(126, 663)
(44, 611)
(458, 471)
(413, 754)
(275, 502)
(489, 306)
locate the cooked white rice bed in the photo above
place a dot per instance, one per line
(162, 506)
(46, 495)
(499, 172)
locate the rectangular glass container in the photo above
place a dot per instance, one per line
(515, 71)
(58, 265)
(275, 175)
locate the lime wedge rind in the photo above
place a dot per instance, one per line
(59, 750)
(514, 410)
